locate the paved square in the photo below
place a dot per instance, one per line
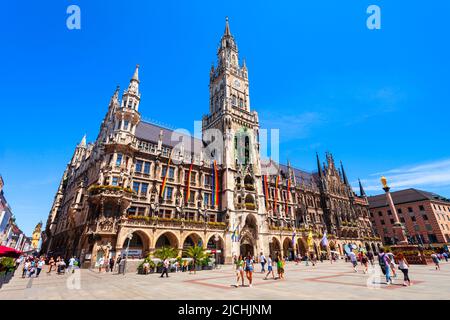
(324, 281)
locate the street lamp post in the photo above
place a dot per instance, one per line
(129, 236)
(216, 238)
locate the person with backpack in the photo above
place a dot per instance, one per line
(385, 262)
(270, 268)
(436, 260)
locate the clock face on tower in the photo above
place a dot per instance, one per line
(237, 83)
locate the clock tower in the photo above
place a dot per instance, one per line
(232, 120)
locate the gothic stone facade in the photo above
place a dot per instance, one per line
(112, 187)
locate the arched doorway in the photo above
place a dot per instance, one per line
(249, 236)
(374, 250)
(288, 250)
(216, 245)
(167, 239)
(192, 240)
(302, 246)
(274, 247)
(136, 247)
(247, 247)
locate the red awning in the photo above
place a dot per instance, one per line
(9, 252)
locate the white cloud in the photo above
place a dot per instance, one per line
(431, 174)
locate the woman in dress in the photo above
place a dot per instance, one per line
(249, 269)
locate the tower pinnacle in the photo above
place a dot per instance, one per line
(136, 73)
(227, 27)
(361, 189)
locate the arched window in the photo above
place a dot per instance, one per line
(247, 150)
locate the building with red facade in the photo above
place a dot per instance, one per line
(425, 215)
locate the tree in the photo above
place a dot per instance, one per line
(197, 253)
(165, 253)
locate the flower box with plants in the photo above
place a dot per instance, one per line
(250, 206)
(221, 225)
(96, 189)
(249, 187)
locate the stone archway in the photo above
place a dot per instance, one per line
(288, 250)
(216, 246)
(249, 236)
(167, 239)
(374, 249)
(302, 246)
(247, 246)
(193, 239)
(137, 246)
(274, 247)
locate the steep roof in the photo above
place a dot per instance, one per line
(150, 132)
(405, 196)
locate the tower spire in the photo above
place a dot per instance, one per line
(361, 189)
(83, 141)
(344, 175)
(318, 165)
(227, 27)
(136, 73)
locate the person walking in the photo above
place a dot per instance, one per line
(40, 265)
(239, 267)
(100, 262)
(370, 257)
(280, 266)
(436, 261)
(26, 267)
(313, 259)
(71, 264)
(404, 268)
(385, 263)
(111, 264)
(262, 260)
(365, 262)
(166, 264)
(353, 260)
(249, 269)
(445, 255)
(270, 267)
(392, 263)
(118, 260)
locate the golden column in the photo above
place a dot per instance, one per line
(398, 229)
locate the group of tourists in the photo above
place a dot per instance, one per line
(244, 267)
(107, 264)
(32, 265)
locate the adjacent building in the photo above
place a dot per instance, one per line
(10, 233)
(160, 187)
(425, 215)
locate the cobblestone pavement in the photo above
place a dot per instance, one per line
(324, 281)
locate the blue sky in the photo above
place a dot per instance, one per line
(376, 99)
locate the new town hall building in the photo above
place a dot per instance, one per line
(137, 181)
